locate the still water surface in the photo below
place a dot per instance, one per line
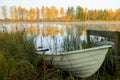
(50, 35)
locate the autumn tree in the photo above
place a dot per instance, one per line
(25, 13)
(62, 11)
(117, 14)
(43, 12)
(11, 11)
(52, 11)
(89, 14)
(56, 13)
(3, 8)
(19, 12)
(15, 12)
(111, 13)
(48, 13)
(85, 13)
(37, 13)
(32, 13)
(95, 14)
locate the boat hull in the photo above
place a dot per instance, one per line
(81, 63)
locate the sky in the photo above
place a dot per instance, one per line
(90, 4)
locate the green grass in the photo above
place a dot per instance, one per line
(18, 60)
(17, 56)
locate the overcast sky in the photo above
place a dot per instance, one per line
(90, 4)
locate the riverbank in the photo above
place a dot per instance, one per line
(53, 21)
(56, 22)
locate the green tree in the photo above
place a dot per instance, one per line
(72, 14)
(79, 13)
(100, 14)
(105, 15)
(90, 15)
(68, 11)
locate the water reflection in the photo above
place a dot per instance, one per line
(50, 35)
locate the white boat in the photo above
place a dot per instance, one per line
(81, 63)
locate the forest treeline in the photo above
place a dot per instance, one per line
(53, 14)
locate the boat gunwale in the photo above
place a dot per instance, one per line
(78, 51)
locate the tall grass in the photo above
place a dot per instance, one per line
(72, 41)
(17, 56)
(18, 61)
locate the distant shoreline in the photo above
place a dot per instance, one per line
(40, 21)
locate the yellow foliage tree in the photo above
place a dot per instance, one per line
(48, 13)
(56, 14)
(62, 11)
(37, 13)
(32, 13)
(117, 14)
(111, 13)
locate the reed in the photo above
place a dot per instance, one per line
(72, 41)
(18, 60)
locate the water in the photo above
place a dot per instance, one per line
(50, 35)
